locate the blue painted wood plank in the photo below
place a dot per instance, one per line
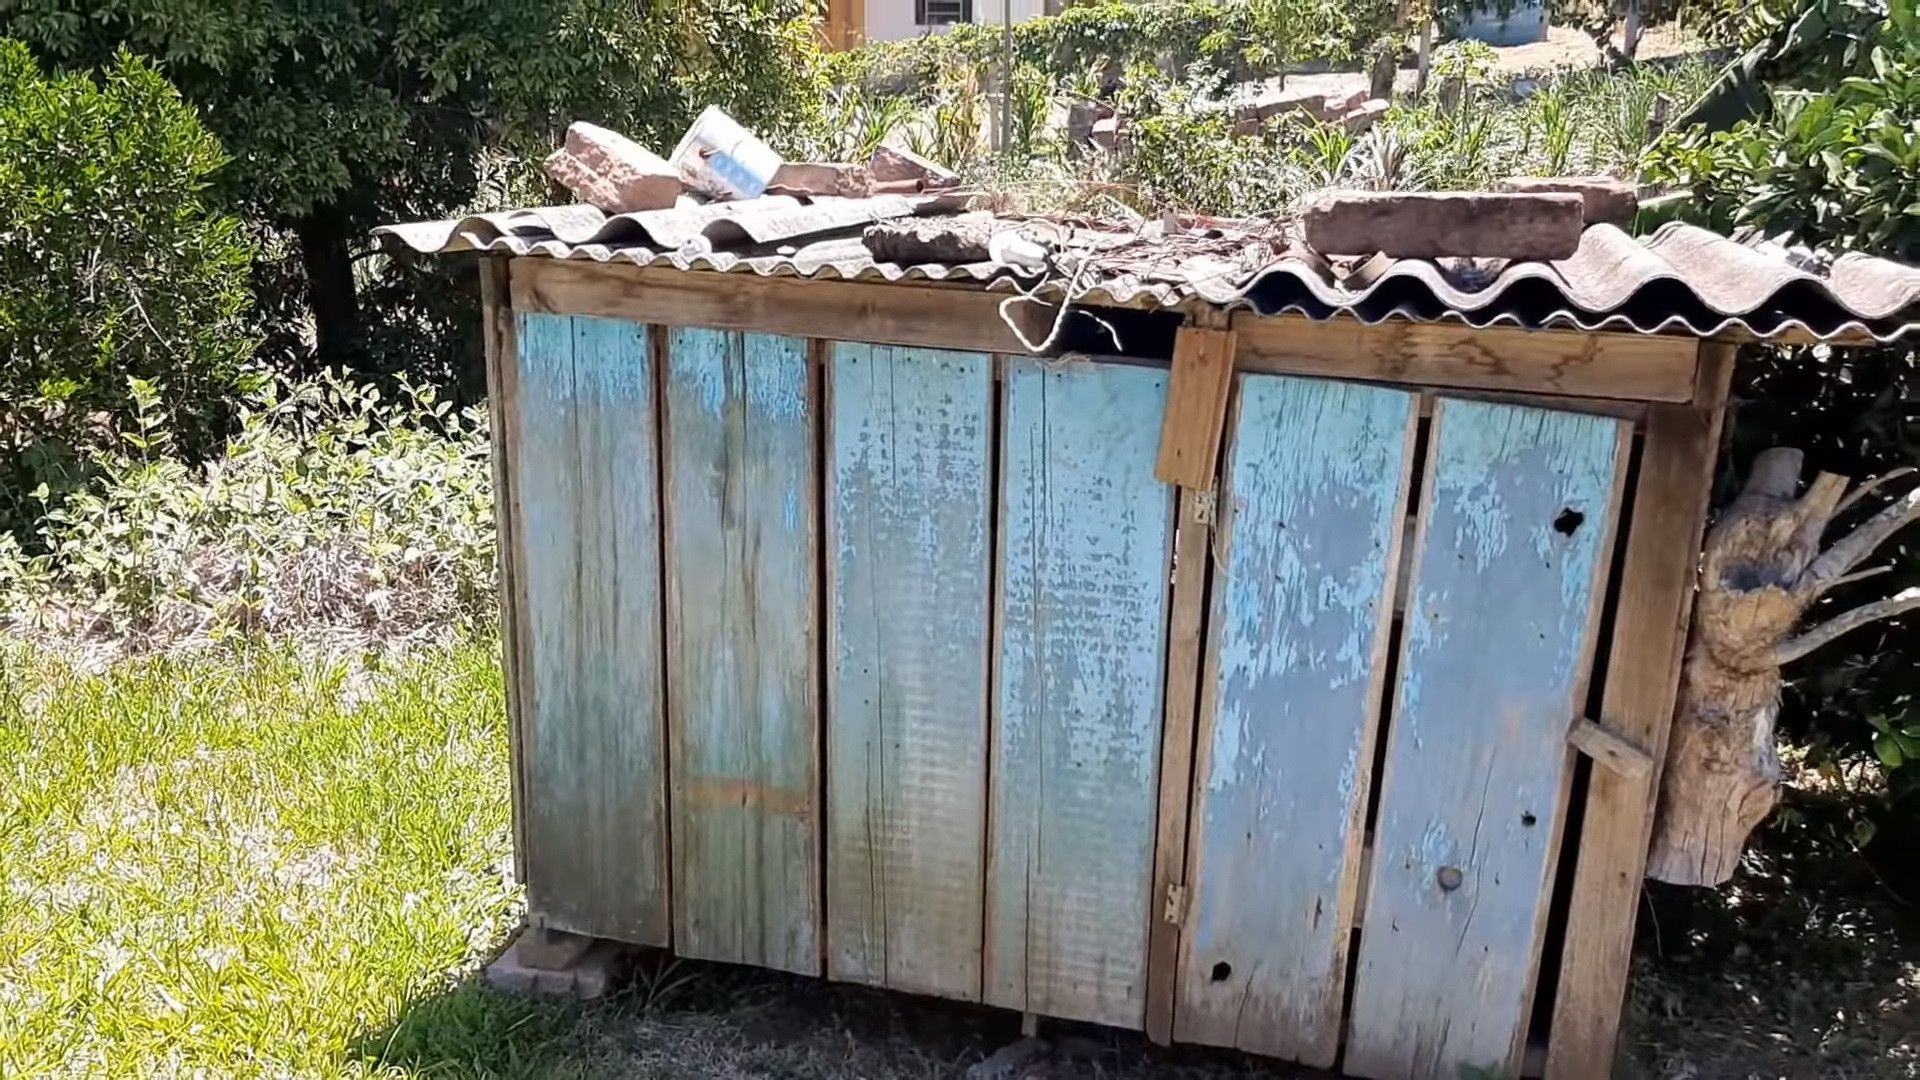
(592, 763)
(1313, 504)
(742, 662)
(1083, 564)
(909, 484)
(1517, 519)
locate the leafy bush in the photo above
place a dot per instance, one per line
(113, 266)
(1243, 38)
(1836, 164)
(333, 515)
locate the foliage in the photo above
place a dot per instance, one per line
(112, 264)
(1242, 38)
(1838, 164)
(234, 863)
(341, 117)
(332, 515)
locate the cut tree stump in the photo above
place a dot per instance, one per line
(1763, 568)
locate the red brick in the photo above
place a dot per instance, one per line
(608, 170)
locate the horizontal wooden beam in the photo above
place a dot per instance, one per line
(916, 315)
(1610, 751)
(1622, 366)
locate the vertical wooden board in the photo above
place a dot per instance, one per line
(742, 669)
(1083, 563)
(1512, 551)
(909, 464)
(1313, 505)
(587, 483)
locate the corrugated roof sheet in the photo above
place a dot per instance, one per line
(1682, 279)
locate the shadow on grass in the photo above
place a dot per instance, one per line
(1807, 965)
(686, 1019)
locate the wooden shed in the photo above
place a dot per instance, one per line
(1283, 660)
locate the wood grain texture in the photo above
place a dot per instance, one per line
(1192, 562)
(1082, 624)
(1643, 676)
(909, 484)
(1202, 376)
(1313, 506)
(587, 485)
(944, 317)
(1623, 366)
(1514, 543)
(503, 425)
(742, 659)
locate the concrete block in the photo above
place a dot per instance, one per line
(1411, 225)
(612, 172)
(1106, 133)
(1604, 198)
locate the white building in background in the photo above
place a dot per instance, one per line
(896, 20)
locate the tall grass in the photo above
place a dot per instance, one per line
(240, 863)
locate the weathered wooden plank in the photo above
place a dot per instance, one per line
(1082, 577)
(1624, 366)
(909, 485)
(1192, 560)
(919, 315)
(587, 485)
(1514, 543)
(742, 663)
(1312, 507)
(1643, 676)
(1202, 375)
(503, 421)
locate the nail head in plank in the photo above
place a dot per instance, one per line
(1513, 548)
(1083, 558)
(1622, 366)
(1315, 495)
(1643, 677)
(1202, 374)
(595, 819)
(742, 660)
(908, 475)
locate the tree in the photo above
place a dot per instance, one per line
(112, 265)
(342, 116)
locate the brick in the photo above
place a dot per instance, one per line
(610, 171)
(592, 973)
(1410, 225)
(1365, 115)
(1277, 102)
(821, 178)
(891, 164)
(1605, 198)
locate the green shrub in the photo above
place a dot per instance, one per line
(333, 516)
(112, 264)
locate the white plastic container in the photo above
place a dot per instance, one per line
(720, 157)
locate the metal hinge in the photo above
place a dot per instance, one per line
(1176, 912)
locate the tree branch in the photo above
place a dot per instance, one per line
(1869, 487)
(1854, 548)
(1800, 645)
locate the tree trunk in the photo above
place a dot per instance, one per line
(1762, 568)
(331, 292)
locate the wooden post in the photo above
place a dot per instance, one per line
(1643, 673)
(503, 381)
(1193, 551)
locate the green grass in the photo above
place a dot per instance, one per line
(241, 863)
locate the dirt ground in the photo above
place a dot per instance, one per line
(1807, 968)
